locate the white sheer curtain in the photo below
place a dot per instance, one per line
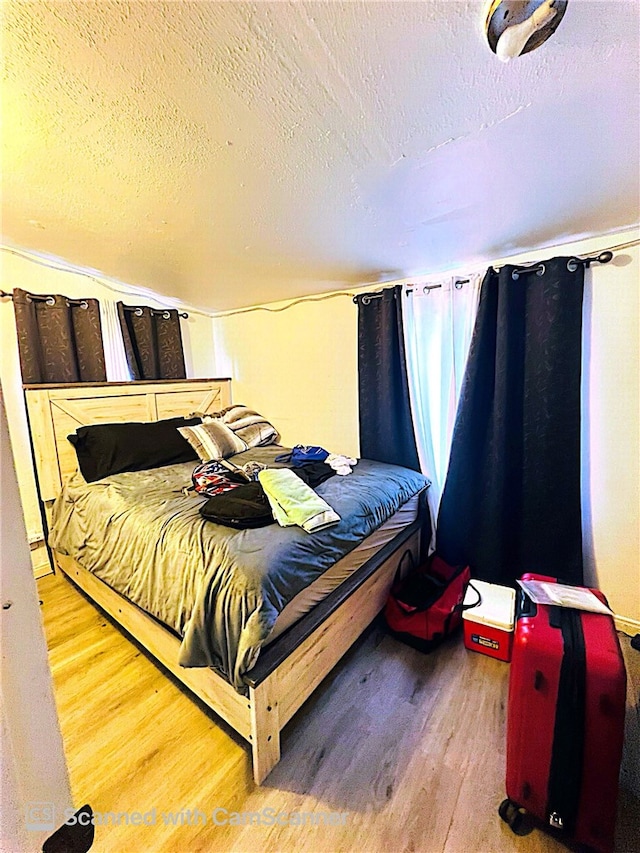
(115, 358)
(438, 323)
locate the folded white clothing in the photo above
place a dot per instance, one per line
(295, 503)
(340, 464)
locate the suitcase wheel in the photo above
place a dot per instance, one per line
(514, 816)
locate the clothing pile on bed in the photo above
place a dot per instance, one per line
(245, 498)
(253, 495)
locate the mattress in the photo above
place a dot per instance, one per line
(317, 591)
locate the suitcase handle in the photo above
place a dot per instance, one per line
(525, 606)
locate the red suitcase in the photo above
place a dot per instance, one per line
(565, 721)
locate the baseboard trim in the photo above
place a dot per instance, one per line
(627, 626)
(42, 570)
(40, 561)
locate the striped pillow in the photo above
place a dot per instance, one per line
(213, 440)
(248, 425)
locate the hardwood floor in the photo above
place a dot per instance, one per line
(410, 747)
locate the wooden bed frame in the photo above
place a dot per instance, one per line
(291, 667)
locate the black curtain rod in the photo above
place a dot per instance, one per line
(539, 269)
(458, 283)
(164, 312)
(572, 265)
(49, 300)
(367, 297)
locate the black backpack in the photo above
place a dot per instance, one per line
(242, 507)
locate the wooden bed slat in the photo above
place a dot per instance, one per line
(43, 440)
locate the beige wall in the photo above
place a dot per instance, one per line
(299, 367)
(611, 433)
(28, 273)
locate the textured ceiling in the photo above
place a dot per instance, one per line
(230, 153)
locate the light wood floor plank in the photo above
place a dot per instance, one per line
(411, 746)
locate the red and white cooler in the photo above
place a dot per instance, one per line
(488, 625)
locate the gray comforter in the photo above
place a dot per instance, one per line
(219, 588)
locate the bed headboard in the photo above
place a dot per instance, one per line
(56, 411)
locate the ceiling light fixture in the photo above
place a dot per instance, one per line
(514, 27)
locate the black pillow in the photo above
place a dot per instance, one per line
(104, 449)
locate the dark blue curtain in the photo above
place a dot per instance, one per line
(386, 428)
(511, 500)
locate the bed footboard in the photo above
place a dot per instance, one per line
(289, 670)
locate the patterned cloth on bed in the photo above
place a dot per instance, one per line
(220, 589)
(247, 424)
